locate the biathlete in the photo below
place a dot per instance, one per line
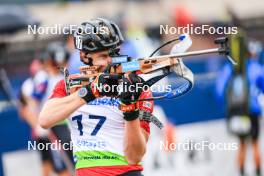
(108, 136)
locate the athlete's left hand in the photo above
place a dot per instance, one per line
(132, 87)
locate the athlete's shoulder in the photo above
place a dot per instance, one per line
(59, 90)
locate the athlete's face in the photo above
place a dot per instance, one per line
(101, 58)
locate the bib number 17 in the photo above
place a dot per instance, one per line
(97, 127)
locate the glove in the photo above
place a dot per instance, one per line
(102, 85)
(132, 86)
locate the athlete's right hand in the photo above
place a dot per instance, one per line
(102, 85)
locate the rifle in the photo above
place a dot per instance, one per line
(152, 68)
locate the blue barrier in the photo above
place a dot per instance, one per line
(14, 132)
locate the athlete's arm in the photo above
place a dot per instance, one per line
(136, 131)
(58, 109)
(135, 141)
(60, 106)
(28, 112)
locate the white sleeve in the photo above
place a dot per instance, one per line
(27, 87)
(40, 77)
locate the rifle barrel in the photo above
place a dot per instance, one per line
(186, 54)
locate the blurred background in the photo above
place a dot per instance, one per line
(200, 115)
